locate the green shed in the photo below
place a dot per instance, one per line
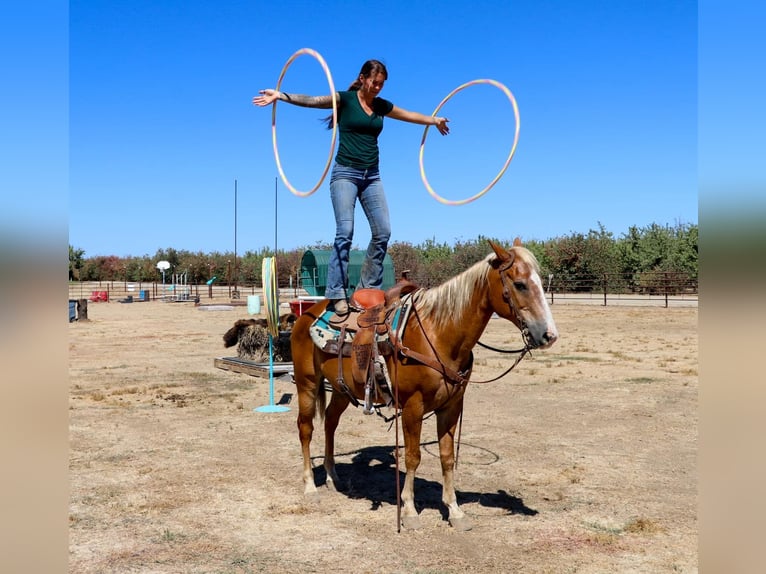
(314, 271)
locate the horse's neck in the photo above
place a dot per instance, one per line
(473, 321)
(462, 327)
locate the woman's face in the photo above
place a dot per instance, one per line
(373, 83)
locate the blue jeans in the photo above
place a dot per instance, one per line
(347, 184)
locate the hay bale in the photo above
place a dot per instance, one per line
(252, 339)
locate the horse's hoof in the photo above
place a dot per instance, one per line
(312, 497)
(411, 522)
(462, 524)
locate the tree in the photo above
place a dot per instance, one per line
(578, 261)
(76, 258)
(405, 257)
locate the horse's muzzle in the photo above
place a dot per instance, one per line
(542, 338)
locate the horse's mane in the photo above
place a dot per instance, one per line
(445, 303)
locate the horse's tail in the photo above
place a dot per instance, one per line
(307, 370)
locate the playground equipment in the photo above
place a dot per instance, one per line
(180, 287)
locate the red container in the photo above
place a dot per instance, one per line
(97, 296)
(300, 307)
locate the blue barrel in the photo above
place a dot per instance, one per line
(72, 310)
(254, 304)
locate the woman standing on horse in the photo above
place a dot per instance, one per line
(355, 173)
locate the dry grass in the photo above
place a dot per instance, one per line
(583, 459)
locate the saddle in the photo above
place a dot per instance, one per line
(363, 335)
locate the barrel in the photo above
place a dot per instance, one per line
(254, 304)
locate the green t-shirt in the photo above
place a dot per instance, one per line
(358, 147)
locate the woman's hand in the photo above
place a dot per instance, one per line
(441, 125)
(267, 97)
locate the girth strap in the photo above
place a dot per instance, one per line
(341, 383)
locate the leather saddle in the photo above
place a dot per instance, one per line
(363, 335)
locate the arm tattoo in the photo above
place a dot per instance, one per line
(308, 101)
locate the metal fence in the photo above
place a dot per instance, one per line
(656, 289)
(648, 288)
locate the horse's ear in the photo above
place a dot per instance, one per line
(517, 242)
(501, 253)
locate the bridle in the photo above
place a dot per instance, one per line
(508, 298)
(460, 377)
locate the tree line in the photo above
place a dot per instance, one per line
(641, 259)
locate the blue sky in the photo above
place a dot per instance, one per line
(161, 122)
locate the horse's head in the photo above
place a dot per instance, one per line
(516, 294)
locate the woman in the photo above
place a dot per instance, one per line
(355, 174)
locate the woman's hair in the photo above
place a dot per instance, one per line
(369, 68)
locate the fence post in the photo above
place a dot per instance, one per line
(82, 310)
(605, 282)
(666, 288)
(550, 281)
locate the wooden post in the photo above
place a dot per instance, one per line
(82, 310)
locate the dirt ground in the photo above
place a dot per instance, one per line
(583, 459)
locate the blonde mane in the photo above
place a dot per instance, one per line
(446, 303)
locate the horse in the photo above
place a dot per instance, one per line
(430, 366)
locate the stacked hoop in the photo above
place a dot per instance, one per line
(271, 302)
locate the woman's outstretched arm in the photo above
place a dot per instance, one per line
(268, 96)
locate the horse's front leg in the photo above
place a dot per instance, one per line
(338, 403)
(446, 423)
(412, 423)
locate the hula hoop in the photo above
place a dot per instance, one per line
(269, 274)
(510, 97)
(320, 59)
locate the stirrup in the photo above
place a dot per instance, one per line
(340, 306)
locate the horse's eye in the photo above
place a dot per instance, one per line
(519, 286)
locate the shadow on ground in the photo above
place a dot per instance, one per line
(371, 475)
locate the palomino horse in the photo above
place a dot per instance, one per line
(430, 365)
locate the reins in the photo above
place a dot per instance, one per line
(496, 350)
(396, 450)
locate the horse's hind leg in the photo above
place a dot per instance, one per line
(311, 402)
(446, 424)
(338, 403)
(306, 411)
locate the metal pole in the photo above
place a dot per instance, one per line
(275, 216)
(276, 263)
(235, 232)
